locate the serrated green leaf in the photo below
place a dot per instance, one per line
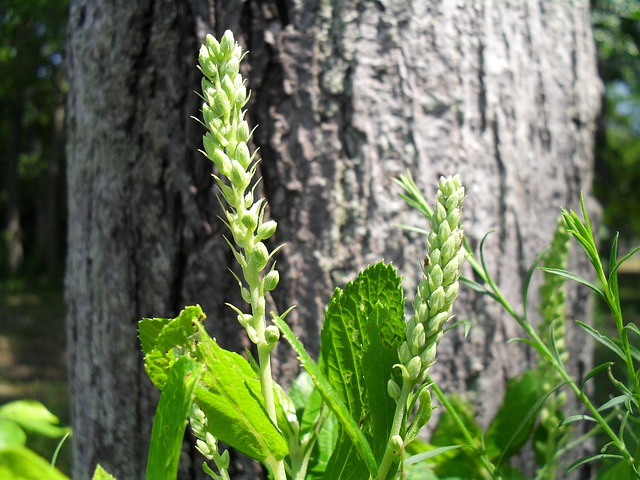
(171, 418)
(330, 397)
(33, 416)
(148, 331)
(232, 400)
(364, 325)
(514, 422)
(20, 463)
(179, 330)
(101, 474)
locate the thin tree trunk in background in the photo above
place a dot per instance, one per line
(347, 95)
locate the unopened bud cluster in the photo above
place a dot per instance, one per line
(206, 443)
(438, 289)
(225, 144)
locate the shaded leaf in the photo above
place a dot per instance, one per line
(171, 418)
(20, 463)
(230, 396)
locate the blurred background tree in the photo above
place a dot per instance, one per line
(32, 86)
(617, 180)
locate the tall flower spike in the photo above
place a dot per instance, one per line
(438, 289)
(225, 144)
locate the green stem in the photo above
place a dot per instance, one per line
(396, 427)
(484, 460)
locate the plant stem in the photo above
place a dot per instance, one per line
(398, 418)
(484, 460)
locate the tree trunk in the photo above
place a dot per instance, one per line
(347, 95)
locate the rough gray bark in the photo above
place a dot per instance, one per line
(347, 95)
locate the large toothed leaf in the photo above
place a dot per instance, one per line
(364, 325)
(331, 398)
(230, 397)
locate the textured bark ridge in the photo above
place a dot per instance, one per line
(347, 95)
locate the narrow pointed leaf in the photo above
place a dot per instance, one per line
(171, 418)
(595, 371)
(575, 278)
(603, 339)
(420, 457)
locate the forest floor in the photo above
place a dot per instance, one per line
(32, 353)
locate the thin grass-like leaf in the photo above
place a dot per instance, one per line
(575, 278)
(603, 339)
(625, 258)
(420, 457)
(592, 458)
(595, 371)
(577, 418)
(613, 402)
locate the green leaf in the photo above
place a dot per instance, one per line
(603, 339)
(514, 422)
(101, 474)
(33, 416)
(624, 259)
(593, 458)
(20, 463)
(171, 418)
(11, 433)
(331, 398)
(575, 278)
(363, 328)
(232, 400)
(420, 457)
(595, 371)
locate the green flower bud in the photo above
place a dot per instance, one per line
(238, 176)
(204, 449)
(453, 218)
(397, 445)
(231, 68)
(208, 91)
(271, 335)
(435, 277)
(450, 293)
(244, 318)
(221, 105)
(436, 301)
(428, 357)
(417, 339)
(414, 367)
(221, 160)
(270, 281)
(437, 322)
(242, 154)
(404, 353)
(243, 134)
(212, 44)
(261, 255)
(246, 295)
(206, 63)
(393, 389)
(227, 43)
(440, 214)
(266, 230)
(228, 87)
(444, 232)
(250, 221)
(252, 334)
(449, 249)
